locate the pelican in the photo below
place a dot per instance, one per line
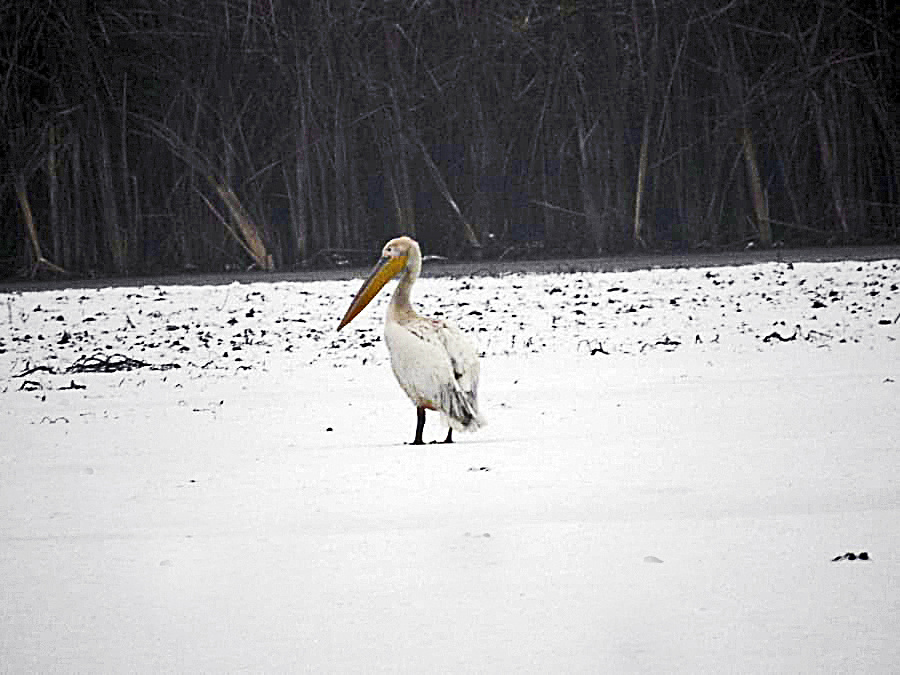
(433, 362)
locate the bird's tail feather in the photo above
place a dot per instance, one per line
(462, 413)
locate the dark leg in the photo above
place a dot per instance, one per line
(449, 438)
(420, 424)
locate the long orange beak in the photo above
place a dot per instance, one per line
(386, 269)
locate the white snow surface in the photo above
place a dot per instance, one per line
(662, 486)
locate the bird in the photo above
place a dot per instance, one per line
(433, 361)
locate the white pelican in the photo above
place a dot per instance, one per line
(433, 362)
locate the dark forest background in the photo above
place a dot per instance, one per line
(150, 136)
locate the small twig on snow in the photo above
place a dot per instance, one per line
(54, 420)
(592, 350)
(775, 335)
(665, 342)
(35, 369)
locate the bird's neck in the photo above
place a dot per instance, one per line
(400, 305)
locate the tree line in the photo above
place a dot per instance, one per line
(158, 135)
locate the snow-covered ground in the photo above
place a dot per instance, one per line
(673, 460)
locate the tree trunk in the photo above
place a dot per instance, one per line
(593, 213)
(53, 172)
(110, 221)
(31, 230)
(637, 222)
(127, 233)
(760, 202)
(247, 233)
(828, 165)
(83, 253)
(617, 113)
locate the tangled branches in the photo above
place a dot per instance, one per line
(113, 363)
(101, 363)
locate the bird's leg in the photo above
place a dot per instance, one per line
(449, 438)
(420, 424)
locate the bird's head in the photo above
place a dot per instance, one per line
(396, 255)
(401, 247)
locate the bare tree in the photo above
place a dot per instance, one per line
(224, 133)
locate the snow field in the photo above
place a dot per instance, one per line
(660, 507)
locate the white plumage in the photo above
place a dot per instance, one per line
(432, 360)
(436, 367)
